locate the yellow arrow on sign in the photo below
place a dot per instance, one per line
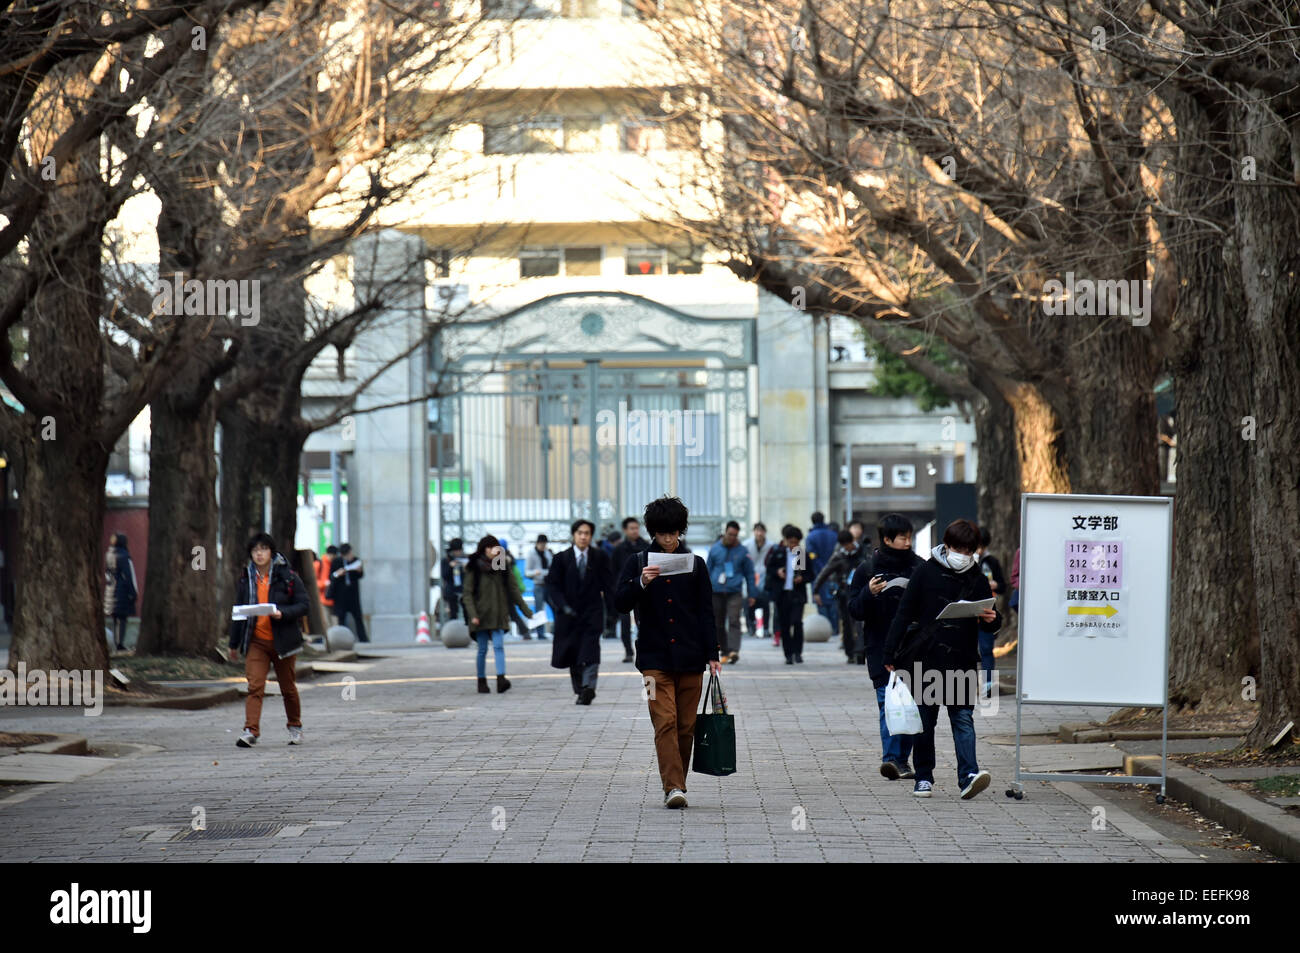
(1107, 611)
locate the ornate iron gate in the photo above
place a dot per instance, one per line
(531, 432)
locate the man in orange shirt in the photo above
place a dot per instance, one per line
(269, 640)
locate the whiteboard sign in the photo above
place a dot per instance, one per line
(1094, 599)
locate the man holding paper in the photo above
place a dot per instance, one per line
(270, 599)
(946, 671)
(669, 589)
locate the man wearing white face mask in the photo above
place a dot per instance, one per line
(948, 666)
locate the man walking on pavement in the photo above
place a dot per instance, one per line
(730, 571)
(676, 640)
(537, 566)
(757, 548)
(847, 557)
(346, 573)
(788, 587)
(817, 551)
(269, 640)
(452, 572)
(579, 587)
(631, 545)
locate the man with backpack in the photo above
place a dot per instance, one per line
(873, 600)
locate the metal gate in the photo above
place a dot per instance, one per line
(526, 442)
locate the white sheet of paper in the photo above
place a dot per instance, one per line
(260, 608)
(898, 582)
(671, 564)
(965, 609)
(536, 620)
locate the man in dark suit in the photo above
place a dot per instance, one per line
(631, 545)
(579, 587)
(788, 587)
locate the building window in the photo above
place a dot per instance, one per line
(651, 9)
(551, 261)
(580, 9)
(659, 260)
(642, 135)
(582, 262)
(515, 9)
(545, 134)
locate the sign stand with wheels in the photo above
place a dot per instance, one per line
(1095, 579)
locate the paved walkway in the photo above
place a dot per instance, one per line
(419, 767)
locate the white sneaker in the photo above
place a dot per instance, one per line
(247, 739)
(922, 789)
(675, 798)
(975, 784)
(295, 735)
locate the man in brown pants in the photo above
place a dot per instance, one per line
(675, 640)
(269, 640)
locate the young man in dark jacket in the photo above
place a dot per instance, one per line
(346, 573)
(875, 602)
(787, 584)
(676, 640)
(268, 640)
(452, 569)
(837, 571)
(947, 669)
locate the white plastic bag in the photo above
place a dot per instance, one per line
(902, 717)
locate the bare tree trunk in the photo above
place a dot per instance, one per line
(1269, 223)
(180, 615)
(998, 479)
(1213, 627)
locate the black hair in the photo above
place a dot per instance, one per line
(856, 522)
(790, 531)
(630, 519)
(985, 538)
(541, 538)
(119, 539)
(614, 536)
(962, 534)
(893, 525)
(818, 517)
(345, 548)
(844, 537)
(261, 539)
(456, 544)
(730, 524)
(331, 550)
(758, 526)
(667, 514)
(576, 523)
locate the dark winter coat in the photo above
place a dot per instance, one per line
(838, 570)
(578, 630)
(290, 597)
(488, 595)
(956, 648)
(119, 583)
(345, 590)
(773, 582)
(819, 545)
(624, 550)
(877, 612)
(676, 631)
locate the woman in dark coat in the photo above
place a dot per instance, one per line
(119, 588)
(950, 574)
(491, 588)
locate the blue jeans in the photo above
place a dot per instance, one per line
(897, 748)
(497, 638)
(963, 736)
(829, 609)
(986, 656)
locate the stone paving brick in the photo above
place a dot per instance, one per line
(529, 776)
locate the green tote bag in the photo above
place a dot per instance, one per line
(715, 735)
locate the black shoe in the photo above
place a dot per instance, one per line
(890, 771)
(541, 638)
(527, 638)
(850, 661)
(629, 657)
(861, 660)
(789, 660)
(588, 694)
(483, 687)
(503, 684)
(799, 659)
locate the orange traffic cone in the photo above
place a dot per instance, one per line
(422, 629)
